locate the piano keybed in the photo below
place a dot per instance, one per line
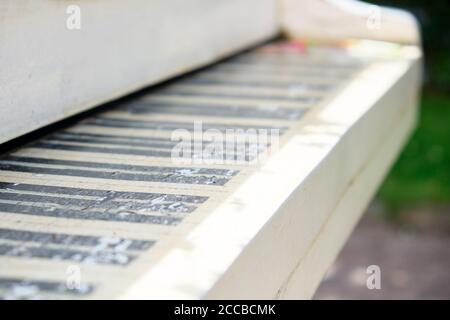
(89, 207)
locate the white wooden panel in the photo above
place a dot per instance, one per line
(49, 72)
(335, 20)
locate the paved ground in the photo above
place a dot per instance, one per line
(414, 259)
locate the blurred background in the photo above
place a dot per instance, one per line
(406, 230)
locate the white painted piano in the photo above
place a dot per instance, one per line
(238, 169)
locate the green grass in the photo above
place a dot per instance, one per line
(422, 172)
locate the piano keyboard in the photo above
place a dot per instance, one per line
(100, 200)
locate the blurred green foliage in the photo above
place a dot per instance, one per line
(422, 172)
